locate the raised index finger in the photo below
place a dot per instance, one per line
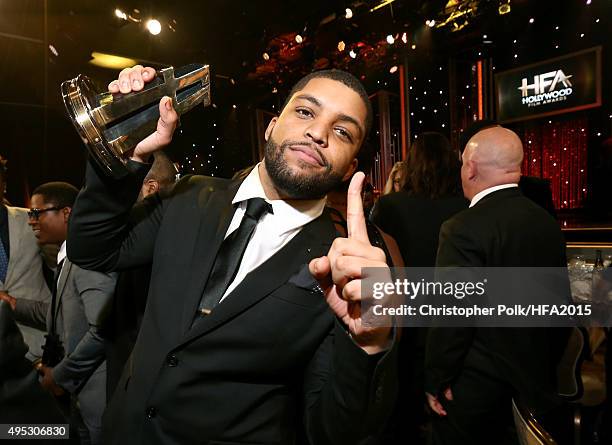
(355, 219)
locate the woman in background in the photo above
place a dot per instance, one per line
(431, 194)
(395, 179)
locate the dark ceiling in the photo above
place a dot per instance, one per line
(232, 37)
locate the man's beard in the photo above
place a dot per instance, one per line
(298, 185)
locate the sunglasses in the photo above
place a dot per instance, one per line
(35, 213)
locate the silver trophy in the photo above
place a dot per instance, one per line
(112, 124)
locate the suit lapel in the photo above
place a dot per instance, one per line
(61, 285)
(312, 241)
(214, 218)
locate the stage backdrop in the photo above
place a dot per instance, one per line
(557, 150)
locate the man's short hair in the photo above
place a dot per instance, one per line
(60, 194)
(343, 77)
(162, 170)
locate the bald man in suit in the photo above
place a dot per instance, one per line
(472, 374)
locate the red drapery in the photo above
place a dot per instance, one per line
(557, 150)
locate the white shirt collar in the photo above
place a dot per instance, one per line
(61, 255)
(287, 216)
(490, 190)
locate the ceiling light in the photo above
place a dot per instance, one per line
(266, 56)
(298, 38)
(404, 38)
(413, 46)
(154, 26)
(353, 54)
(390, 39)
(341, 45)
(504, 8)
(111, 61)
(120, 14)
(393, 69)
(348, 13)
(430, 23)
(531, 20)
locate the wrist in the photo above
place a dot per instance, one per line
(375, 342)
(141, 158)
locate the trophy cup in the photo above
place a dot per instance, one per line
(112, 124)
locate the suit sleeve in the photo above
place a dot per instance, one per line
(95, 290)
(446, 348)
(106, 231)
(32, 313)
(348, 393)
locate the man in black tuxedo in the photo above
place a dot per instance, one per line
(269, 350)
(132, 288)
(532, 187)
(473, 373)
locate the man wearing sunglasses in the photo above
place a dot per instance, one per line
(73, 358)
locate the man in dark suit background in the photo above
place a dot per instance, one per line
(280, 351)
(473, 373)
(532, 187)
(22, 399)
(130, 297)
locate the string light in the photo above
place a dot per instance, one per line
(348, 13)
(298, 38)
(390, 39)
(353, 54)
(341, 45)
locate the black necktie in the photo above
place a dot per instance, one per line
(230, 255)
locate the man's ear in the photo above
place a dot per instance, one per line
(152, 186)
(270, 127)
(472, 170)
(66, 212)
(351, 170)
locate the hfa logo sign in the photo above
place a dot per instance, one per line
(544, 88)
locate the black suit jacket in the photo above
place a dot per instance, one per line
(22, 399)
(539, 191)
(414, 222)
(269, 361)
(504, 229)
(124, 321)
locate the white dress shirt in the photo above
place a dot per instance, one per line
(274, 230)
(61, 256)
(488, 191)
